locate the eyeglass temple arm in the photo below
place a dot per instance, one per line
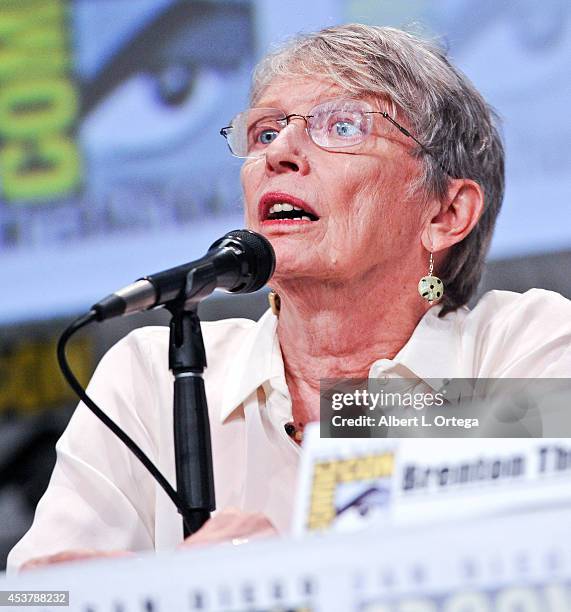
(409, 135)
(403, 130)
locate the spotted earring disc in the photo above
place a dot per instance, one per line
(431, 288)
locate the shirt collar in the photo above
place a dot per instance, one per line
(431, 354)
(258, 360)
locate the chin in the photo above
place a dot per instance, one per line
(290, 266)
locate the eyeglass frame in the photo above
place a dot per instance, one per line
(224, 132)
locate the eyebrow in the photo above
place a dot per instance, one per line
(311, 103)
(268, 116)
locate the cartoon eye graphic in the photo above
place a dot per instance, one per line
(172, 49)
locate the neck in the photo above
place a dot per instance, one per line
(337, 330)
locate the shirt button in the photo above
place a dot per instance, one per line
(379, 367)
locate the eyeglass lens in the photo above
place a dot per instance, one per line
(332, 124)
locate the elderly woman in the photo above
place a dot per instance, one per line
(370, 163)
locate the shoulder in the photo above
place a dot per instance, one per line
(536, 310)
(522, 334)
(133, 380)
(212, 332)
(149, 345)
(535, 303)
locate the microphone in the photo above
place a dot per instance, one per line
(242, 261)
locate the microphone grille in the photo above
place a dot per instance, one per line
(260, 256)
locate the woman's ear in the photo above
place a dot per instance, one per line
(454, 218)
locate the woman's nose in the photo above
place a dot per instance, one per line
(286, 152)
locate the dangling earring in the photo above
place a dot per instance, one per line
(275, 302)
(430, 287)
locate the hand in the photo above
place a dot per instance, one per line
(73, 555)
(231, 525)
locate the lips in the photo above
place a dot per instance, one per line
(279, 207)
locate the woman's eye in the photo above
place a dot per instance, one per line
(346, 128)
(267, 136)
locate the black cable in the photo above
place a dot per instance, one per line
(129, 442)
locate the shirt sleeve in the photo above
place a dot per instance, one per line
(99, 495)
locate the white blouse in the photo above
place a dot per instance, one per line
(99, 496)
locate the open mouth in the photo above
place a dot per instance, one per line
(285, 208)
(285, 211)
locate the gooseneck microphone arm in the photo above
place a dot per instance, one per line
(240, 262)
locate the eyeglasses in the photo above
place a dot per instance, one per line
(334, 124)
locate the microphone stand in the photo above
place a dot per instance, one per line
(192, 441)
(241, 261)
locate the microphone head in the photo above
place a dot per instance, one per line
(257, 254)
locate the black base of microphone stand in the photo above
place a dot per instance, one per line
(192, 443)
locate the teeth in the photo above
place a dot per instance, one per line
(275, 208)
(286, 207)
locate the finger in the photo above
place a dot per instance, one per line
(61, 557)
(73, 555)
(258, 535)
(226, 527)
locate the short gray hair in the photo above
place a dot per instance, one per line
(443, 109)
